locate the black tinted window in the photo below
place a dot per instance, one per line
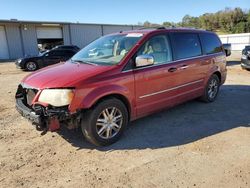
(57, 53)
(186, 45)
(69, 53)
(211, 43)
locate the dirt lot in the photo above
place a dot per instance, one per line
(192, 145)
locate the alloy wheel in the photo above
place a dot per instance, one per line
(109, 122)
(213, 88)
(31, 66)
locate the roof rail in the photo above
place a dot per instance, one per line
(157, 27)
(162, 27)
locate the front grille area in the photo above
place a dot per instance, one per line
(27, 94)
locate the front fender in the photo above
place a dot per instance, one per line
(100, 92)
(86, 98)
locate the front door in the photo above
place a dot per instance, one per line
(157, 85)
(52, 57)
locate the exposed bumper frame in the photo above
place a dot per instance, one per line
(28, 113)
(45, 118)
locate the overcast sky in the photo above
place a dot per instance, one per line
(112, 11)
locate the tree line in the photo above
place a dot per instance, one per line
(225, 21)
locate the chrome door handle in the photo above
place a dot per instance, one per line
(184, 67)
(172, 69)
(205, 62)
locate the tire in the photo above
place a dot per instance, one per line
(31, 66)
(212, 89)
(100, 127)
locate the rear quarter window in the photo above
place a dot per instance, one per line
(210, 43)
(186, 45)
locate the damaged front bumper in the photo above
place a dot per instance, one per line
(44, 117)
(28, 113)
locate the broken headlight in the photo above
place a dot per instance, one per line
(56, 97)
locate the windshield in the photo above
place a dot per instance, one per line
(107, 50)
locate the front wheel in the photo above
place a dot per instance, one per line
(212, 89)
(104, 124)
(31, 66)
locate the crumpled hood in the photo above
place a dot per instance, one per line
(63, 75)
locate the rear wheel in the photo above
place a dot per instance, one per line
(31, 66)
(212, 89)
(105, 123)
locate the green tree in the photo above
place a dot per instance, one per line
(228, 20)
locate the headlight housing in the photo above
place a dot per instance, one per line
(56, 97)
(19, 60)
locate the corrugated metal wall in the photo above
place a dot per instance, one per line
(29, 40)
(107, 29)
(14, 41)
(66, 34)
(81, 35)
(237, 41)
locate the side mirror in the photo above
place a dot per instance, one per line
(227, 48)
(144, 60)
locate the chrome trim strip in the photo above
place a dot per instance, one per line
(166, 90)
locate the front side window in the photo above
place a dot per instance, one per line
(210, 43)
(159, 47)
(107, 50)
(186, 45)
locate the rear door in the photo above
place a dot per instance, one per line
(194, 67)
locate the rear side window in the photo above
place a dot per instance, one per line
(186, 45)
(210, 43)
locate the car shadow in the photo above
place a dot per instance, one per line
(232, 63)
(180, 125)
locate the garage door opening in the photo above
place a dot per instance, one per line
(48, 37)
(47, 44)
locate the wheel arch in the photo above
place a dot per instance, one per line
(217, 73)
(109, 91)
(118, 96)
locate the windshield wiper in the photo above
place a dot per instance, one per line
(85, 62)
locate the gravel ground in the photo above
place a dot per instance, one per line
(192, 145)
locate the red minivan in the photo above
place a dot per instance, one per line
(122, 77)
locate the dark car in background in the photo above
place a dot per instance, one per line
(49, 57)
(245, 58)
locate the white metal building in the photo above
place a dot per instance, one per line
(238, 41)
(21, 38)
